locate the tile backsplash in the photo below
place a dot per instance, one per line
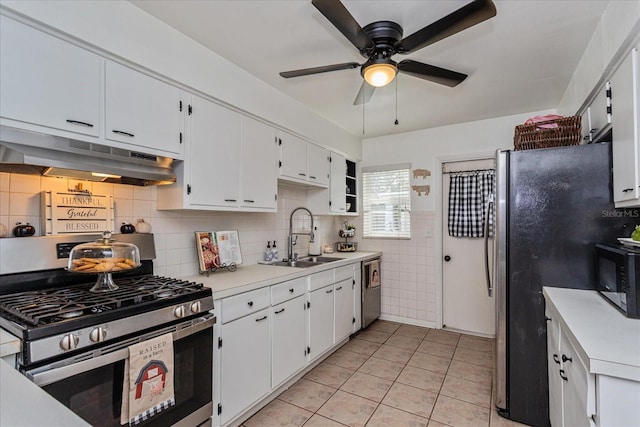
(173, 230)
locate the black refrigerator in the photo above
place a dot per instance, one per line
(552, 206)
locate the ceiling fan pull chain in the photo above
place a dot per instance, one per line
(363, 112)
(396, 122)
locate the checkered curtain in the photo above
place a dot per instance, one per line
(469, 193)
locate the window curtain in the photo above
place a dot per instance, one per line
(469, 195)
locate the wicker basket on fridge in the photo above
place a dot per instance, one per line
(532, 136)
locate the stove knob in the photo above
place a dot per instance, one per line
(69, 342)
(196, 307)
(179, 311)
(98, 334)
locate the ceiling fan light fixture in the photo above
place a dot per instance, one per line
(379, 73)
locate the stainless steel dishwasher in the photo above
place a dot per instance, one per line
(371, 285)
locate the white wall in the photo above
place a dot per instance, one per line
(410, 267)
(126, 31)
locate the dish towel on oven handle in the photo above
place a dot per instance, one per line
(148, 380)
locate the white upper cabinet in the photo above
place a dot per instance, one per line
(318, 165)
(303, 162)
(259, 165)
(143, 111)
(293, 157)
(230, 164)
(626, 127)
(214, 155)
(337, 200)
(45, 81)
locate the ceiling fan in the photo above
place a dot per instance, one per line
(380, 40)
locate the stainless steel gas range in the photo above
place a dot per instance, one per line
(75, 342)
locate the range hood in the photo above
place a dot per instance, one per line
(28, 152)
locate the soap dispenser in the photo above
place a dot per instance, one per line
(268, 254)
(274, 252)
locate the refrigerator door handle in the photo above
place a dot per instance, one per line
(486, 245)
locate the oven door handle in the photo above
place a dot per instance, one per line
(48, 375)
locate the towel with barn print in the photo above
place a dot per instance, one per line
(469, 195)
(148, 380)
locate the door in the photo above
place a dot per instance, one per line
(343, 309)
(288, 349)
(466, 305)
(320, 321)
(259, 165)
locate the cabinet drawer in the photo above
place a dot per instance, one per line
(240, 305)
(288, 290)
(343, 273)
(318, 280)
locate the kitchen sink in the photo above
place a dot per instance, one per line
(305, 262)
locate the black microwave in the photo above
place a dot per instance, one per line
(618, 277)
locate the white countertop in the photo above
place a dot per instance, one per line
(249, 277)
(609, 340)
(9, 344)
(22, 403)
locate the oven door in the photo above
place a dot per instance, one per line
(92, 388)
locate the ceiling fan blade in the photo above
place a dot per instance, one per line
(461, 19)
(340, 17)
(364, 94)
(317, 70)
(431, 73)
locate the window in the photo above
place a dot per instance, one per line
(386, 201)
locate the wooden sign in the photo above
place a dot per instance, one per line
(76, 212)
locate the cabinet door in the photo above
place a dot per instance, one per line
(318, 165)
(598, 117)
(46, 81)
(214, 155)
(293, 157)
(288, 345)
(553, 367)
(337, 192)
(624, 87)
(245, 366)
(343, 309)
(142, 111)
(357, 298)
(259, 165)
(575, 386)
(320, 321)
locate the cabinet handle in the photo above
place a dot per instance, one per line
(565, 358)
(562, 375)
(312, 177)
(291, 290)
(230, 200)
(555, 359)
(337, 289)
(279, 311)
(250, 303)
(76, 122)
(302, 174)
(249, 201)
(626, 190)
(119, 132)
(261, 319)
(329, 291)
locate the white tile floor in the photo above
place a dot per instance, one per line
(393, 375)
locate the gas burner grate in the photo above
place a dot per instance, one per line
(48, 306)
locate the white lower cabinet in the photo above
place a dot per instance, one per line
(343, 317)
(288, 340)
(578, 396)
(571, 386)
(357, 297)
(321, 307)
(270, 335)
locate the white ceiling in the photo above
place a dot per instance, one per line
(519, 61)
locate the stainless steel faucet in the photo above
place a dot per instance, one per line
(290, 240)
